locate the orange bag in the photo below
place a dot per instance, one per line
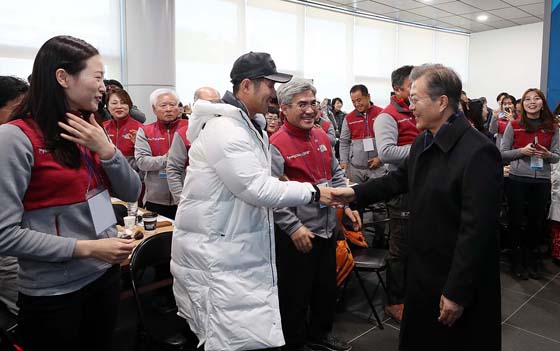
(356, 238)
(344, 261)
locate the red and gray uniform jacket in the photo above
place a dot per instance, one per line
(395, 130)
(45, 209)
(153, 142)
(328, 127)
(355, 128)
(516, 137)
(177, 162)
(122, 133)
(305, 156)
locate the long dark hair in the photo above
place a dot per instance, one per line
(474, 113)
(46, 101)
(548, 121)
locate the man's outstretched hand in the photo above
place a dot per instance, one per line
(337, 196)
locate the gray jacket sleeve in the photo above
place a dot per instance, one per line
(16, 159)
(143, 154)
(493, 124)
(125, 181)
(345, 139)
(176, 161)
(554, 149)
(137, 114)
(338, 179)
(386, 137)
(332, 135)
(508, 154)
(284, 217)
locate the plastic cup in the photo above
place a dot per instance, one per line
(129, 222)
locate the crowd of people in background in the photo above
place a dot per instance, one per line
(65, 152)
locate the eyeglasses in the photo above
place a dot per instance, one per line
(272, 119)
(303, 105)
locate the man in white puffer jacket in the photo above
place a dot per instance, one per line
(223, 253)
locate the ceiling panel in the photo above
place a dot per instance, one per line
(458, 15)
(431, 12)
(457, 8)
(527, 20)
(373, 7)
(534, 9)
(487, 4)
(509, 13)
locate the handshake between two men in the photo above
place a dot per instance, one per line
(336, 197)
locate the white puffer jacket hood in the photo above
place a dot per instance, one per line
(223, 253)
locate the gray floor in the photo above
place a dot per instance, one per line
(530, 315)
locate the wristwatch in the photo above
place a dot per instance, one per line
(316, 195)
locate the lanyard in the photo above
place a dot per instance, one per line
(92, 171)
(123, 134)
(366, 122)
(312, 152)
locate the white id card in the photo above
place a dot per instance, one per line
(163, 174)
(368, 144)
(101, 210)
(323, 184)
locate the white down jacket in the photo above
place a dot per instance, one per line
(223, 252)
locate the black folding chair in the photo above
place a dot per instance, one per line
(370, 260)
(160, 328)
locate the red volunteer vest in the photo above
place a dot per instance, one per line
(307, 153)
(122, 133)
(160, 135)
(360, 127)
(521, 137)
(51, 183)
(406, 121)
(502, 125)
(325, 125)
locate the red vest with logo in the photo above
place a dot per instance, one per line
(182, 131)
(361, 127)
(406, 121)
(160, 135)
(51, 183)
(307, 153)
(521, 137)
(122, 133)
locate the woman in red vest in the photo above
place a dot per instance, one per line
(122, 128)
(57, 169)
(531, 145)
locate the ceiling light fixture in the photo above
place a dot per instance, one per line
(481, 18)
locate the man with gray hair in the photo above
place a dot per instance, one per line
(305, 244)
(178, 157)
(453, 176)
(151, 151)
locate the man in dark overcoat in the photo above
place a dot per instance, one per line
(453, 176)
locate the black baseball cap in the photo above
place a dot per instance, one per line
(256, 65)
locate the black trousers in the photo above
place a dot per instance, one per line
(530, 201)
(166, 211)
(306, 289)
(398, 248)
(81, 320)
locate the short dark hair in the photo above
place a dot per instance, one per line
(440, 80)
(333, 101)
(10, 88)
(474, 114)
(509, 97)
(273, 110)
(500, 95)
(113, 82)
(359, 87)
(256, 82)
(46, 101)
(399, 76)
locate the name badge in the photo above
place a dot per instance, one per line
(368, 144)
(162, 174)
(101, 209)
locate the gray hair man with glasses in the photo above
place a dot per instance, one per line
(305, 244)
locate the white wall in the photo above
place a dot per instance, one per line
(506, 59)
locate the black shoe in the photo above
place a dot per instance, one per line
(329, 343)
(519, 272)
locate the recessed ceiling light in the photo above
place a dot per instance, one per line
(481, 18)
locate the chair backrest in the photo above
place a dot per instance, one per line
(149, 269)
